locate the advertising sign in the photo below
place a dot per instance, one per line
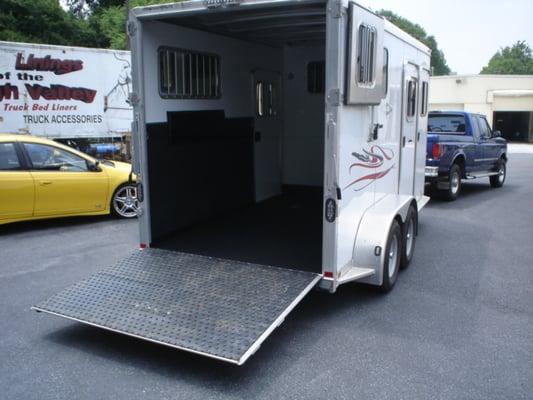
(64, 92)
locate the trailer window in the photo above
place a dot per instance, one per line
(266, 99)
(185, 74)
(424, 105)
(316, 77)
(259, 100)
(366, 54)
(411, 98)
(385, 71)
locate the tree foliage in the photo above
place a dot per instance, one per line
(89, 23)
(513, 60)
(111, 20)
(438, 61)
(84, 8)
(44, 21)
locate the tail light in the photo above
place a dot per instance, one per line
(436, 151)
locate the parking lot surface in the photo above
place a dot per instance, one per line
(458, 324)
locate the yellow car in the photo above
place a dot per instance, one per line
(40, 178)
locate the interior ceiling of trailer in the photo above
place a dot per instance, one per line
(272, 26)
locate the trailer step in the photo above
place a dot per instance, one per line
(222, 309)
(355, 273)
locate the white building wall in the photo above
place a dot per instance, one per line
(482, 93)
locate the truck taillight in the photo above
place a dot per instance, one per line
(436, 151)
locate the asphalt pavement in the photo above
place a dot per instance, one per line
(458, 324)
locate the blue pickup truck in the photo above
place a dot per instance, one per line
(462, 145)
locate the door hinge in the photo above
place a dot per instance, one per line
(334, 98)
(133, 99)
(131, 28)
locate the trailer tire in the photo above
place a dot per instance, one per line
(410, 230)
(392, 256)
(124, 203)
(455, 184)
(497, 181)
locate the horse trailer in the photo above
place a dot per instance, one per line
(279, 146)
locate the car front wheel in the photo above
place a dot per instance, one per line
(124, 203)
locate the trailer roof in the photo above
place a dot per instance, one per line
(273, 23)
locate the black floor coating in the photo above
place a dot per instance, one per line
(284, 231)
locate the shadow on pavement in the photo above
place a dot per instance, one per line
(52, 223)
(472, 190)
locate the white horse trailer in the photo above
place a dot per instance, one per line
(279, 146)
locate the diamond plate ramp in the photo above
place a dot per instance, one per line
(222, 309)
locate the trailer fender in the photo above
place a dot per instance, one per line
(372, 233)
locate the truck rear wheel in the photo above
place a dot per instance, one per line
(455, 184)
(497, 181)
(410, 228)
(392, 256)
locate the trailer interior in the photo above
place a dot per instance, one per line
(236, 167)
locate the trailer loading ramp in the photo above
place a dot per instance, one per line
(218, 308)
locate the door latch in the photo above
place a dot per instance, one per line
(375, 131)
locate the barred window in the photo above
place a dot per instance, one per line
(366, 54)
(316, 77)
(184, 74)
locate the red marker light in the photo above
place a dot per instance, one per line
(143, 246)
(328, 274)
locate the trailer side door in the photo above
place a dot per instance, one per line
(268, 126)
(409, 128)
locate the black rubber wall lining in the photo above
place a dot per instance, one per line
(200, 164)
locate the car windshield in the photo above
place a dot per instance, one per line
(446, 123)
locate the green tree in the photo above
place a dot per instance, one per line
(44, 21)
(111, 20)
(438, 61)
(513, 60)
(84, 8)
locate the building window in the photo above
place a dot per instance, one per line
(185, 74)
(411, 98)
(424, 106)
(366, 54)
(316, 77)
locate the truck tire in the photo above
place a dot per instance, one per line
(124, 203)
(392, 256)
(497, 181)
(454, 180)
(410, 229)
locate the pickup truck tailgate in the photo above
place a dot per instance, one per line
(222, 309)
